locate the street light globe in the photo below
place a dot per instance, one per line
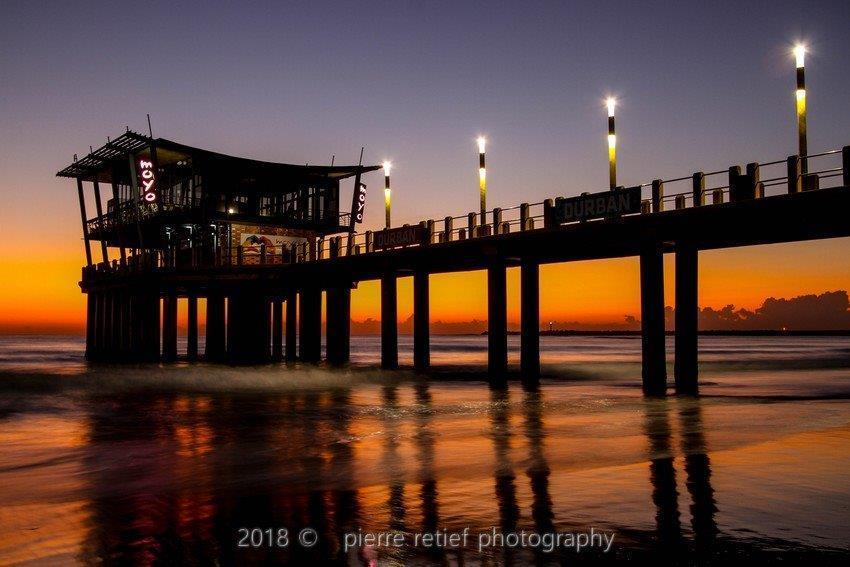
(800, 54)
(611, 103)
(387, 167)
(482, 142)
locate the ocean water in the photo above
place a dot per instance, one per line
(185, 464)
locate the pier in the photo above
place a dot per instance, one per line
(262, 243)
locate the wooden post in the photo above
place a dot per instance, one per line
(421, 320)
(524, 216)
(192, 331)
(698, 188)
(85, 221)
(687, 313)
(652, 318)
(795, 174)
(529, 320)
(497, 322)
(277, 330)
(389, 321)
(845, 164)
(657, 196)
(291, 324)
(448, 228)
(471, 223)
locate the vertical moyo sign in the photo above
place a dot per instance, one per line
(148, 180)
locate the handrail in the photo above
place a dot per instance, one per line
(498, 221)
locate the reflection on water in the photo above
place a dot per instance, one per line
(123, 474)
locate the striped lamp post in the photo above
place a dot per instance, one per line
(612, 144)
(800, 56)
(482, 179)
(387, 167)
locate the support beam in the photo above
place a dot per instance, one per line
(192, 331)
(421, 320)
(215, 343)
(530, 320)
(310, 324)
(339, 324)
(277, 330)
(291, 325)
(654, 369)
(99, 208)
(687, 312)
(389, 321)
(85, 220)
(497, 322)
(169, 327)
(119, 222)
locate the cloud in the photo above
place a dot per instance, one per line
(829, 311)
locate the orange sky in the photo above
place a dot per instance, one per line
(42, 295)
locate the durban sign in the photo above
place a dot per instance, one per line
(614, 203)
(400, 237)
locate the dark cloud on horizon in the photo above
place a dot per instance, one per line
(829, 311)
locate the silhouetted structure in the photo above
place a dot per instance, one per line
(200, 234)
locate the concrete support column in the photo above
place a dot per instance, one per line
(115, 324)
(149, 311)
(169, 327)
(389, 321)
(654, 369)
(497, 321)
(687, 312)
(91, 316)
(126, 326)
(100, 326)
(421, 320)
(215, 343)
(192, 331)
(530, 320)
(291, 325)
(247, 328)
(135, 327)
(339, 324)
(106, 351)
(277, 330)
(310, 324)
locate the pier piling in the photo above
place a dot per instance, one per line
(529, 320)
(339, 324)
(192, 330)
(421, 320)
(310, 324)
(215, 343)
(654, 369)
(291, 325)
(389, 321)
(169, 327)
(277, 330)
(497, 321)
(687, 312)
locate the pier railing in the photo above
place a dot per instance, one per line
(734, 184)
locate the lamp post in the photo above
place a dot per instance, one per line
(387, 167)
(612, 144)
(800, 56)
(482, 179)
